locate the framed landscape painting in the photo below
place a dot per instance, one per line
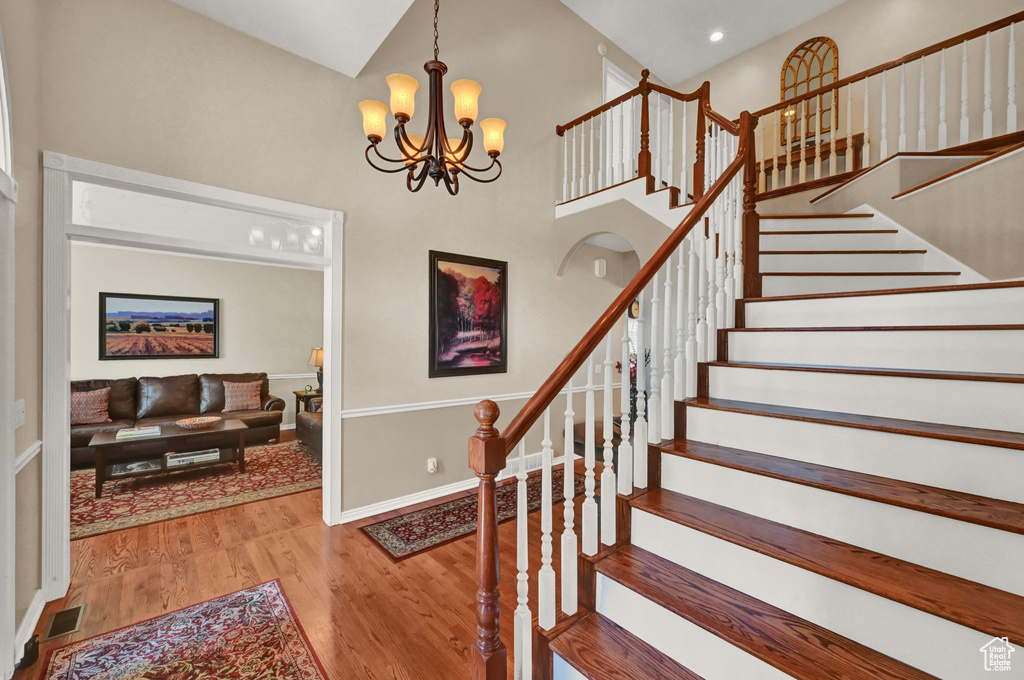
(468, 315)
(158, 327)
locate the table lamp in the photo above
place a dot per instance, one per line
(316, 358)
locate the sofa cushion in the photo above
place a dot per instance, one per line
(174, 395)
(242, 396)
(90, 407)
(81, 434)
(121, 405)
(211, 388)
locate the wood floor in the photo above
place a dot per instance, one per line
(365, 616)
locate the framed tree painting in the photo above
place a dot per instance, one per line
(468, 315)
(158, 327)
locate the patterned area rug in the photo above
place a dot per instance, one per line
(272, 470)
(246, 635)
(420, 530)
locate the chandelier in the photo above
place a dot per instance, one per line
(433, 155)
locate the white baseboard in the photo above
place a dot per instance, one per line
(28, 624)
(533, 462)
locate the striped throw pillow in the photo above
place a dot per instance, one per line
(242, 396)
(89, 408)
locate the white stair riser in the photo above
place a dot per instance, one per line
(943, 308)
(971, 551)
(827, 241)
(845, 262)
(810, 285)
(970, 403)
(969, 351)
(563, 671)
(935, 462)
(704, 653)
(822, 223)
(935, 645)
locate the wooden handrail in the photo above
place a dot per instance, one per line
(680, 96)
(560, 129)
(913, 56)
(533, 409)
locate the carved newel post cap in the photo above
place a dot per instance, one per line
(645, 74)
(486, 413)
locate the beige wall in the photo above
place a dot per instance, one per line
(270, 317)
(867, 32)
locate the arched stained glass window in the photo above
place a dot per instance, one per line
(812, 65)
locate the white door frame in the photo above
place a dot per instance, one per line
(60, 172)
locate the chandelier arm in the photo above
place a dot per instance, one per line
(466, 143)
(403, 142)
(484, 181)
(411, 179)
(377, 167)
(451, 182)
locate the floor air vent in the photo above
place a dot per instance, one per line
(64, 622)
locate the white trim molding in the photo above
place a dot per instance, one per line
(27, 455)
(28, 624)
(533, 462)
(445, 403)
(292, 376)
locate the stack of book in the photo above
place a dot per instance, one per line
(134, 432)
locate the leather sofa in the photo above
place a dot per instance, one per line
(309, 426)
(161, 401)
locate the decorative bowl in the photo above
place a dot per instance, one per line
(198, 422)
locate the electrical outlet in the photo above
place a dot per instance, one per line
(432, 465)
(19, 413)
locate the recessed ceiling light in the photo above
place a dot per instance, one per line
(716, 36)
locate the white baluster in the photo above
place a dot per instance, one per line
(608, 168)
(602, 161)
(817, 138)
(575, 193)
(682, 296)
(883, 146)
(523, 620)
(656, 142)
(711, 314)
(942, 102)
(546, 576)
(833, 153)
(776, 171)
(736, 288)
(802, 145)
(693, 311)
(965, 122)
(1011, 84)
(668, 358)
(583, 162)
(903, 108)
(722, 244)
(670, 174)
(790, 126)
(866, 149)
(986, 120)
(589, 456)
(592, 183)
(654, 402)
(565, 168)
(622, 142)
(922, 134)
(570, 544)
(624, 470)
(634, 132)
(640, 433)
(848, 163)
(762, 176)
(701, 245)
(608, 487)
(684, 165)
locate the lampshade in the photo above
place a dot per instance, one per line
(316, 357)
(494, 134)
(453, 159)
(403, 94)
(466, 94)
(374, 114)
(414, 150)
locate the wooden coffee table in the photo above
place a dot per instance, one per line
(227, 435)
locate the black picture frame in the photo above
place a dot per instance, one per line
(490, 351)
(115, 345)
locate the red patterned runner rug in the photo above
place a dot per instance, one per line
(415, 532)
(246, 635)
(270, 471)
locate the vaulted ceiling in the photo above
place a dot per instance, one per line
(671, 37)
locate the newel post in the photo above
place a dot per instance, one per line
(643, 159)
(751, 220)
(488, 660)
(701, 133)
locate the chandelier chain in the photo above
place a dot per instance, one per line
(436, 3)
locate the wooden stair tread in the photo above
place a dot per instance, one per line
(965, 507)
(889, 291)
(983, 608)
(860, 273)
(787, 642)
(961, 327)
(915, 428)
(602, 650)
(830, 231)
(813, 216)
(841, 252)
(886, 372)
